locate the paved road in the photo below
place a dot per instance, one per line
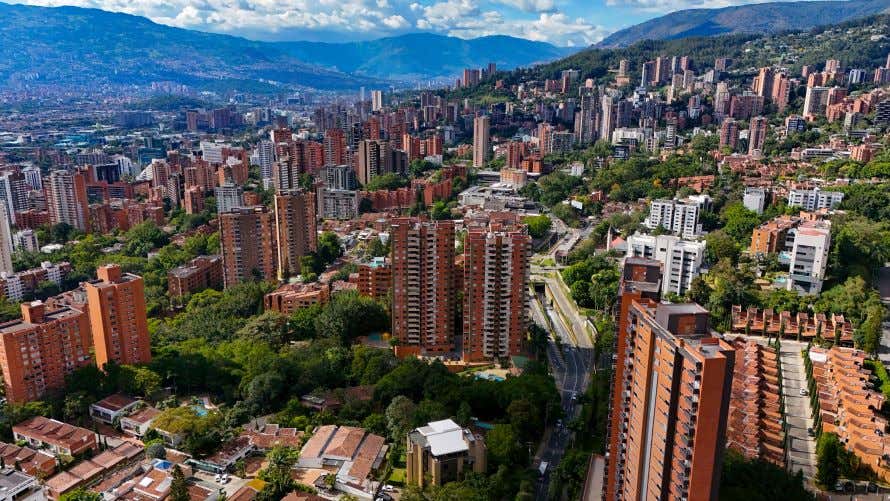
(571, 367)
(798, 413)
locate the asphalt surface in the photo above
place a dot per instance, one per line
(798, 414)
(571, 367)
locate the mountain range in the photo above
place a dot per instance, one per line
(88, 48)
(760, 18)
(424, 55)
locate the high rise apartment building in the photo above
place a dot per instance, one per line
(297, 234)
(228, 197)
(40, 349)
(66, 199)
(670, 399)
(248, 242)
(757, 135)
(6, 246)
(680, 259)
(676, 216)
(496, 275)
(809, 257)
(373, 160)
(815, 101)
(423, 278)
(729, 134)
(481, 140)
(118, 320)
(14, 193)
(814, 199)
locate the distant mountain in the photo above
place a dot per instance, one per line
(87, 48)
(754, 18)
(424, 55)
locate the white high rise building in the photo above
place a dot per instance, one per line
(680, 259)
(25, 240)
(676, 216)
(814, 199)
(5, 243)
(809, 257)
(265, 157)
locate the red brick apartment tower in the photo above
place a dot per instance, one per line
(671, 394)
(118, 320)
(248, 242)
(40, 349)
(496, 275)
(295, 224)
(423, 305)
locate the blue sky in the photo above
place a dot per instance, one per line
(561, 22)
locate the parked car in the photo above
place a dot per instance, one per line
(804, 392)
(810, 432)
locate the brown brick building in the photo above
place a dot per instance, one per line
(200, 273)
(248, 241)
(291, 297)
(40, 349)
(375, 278)
(116, 303)
(295, 225)
(496, 274)
(423, 306)
(670, 398)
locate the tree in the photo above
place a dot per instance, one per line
(828, 464)
(277, 475)
(179, 486)
(503, 445)
(721, 246)
(156, 451)
(270, 327)
(329, 248)
(739, 222)
(399, 418)
(80, 494)
(755, 479)
(538, 225)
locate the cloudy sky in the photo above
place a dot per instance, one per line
(562, 22)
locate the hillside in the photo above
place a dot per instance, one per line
(763, 18)
(862, 43)
(88, 48)
(424, 55)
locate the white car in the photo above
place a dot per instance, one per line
(804, 392)
(388, 488)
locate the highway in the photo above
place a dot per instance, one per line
(571, 366)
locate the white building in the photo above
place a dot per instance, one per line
(228, 196)
(213, 152)
(809, 257)
(5, 243)
(755, 199)
(814, 199)
(337, 204)
(676, 216)
(680, 259)
(25, 240)
(264, 156)
(33, 177)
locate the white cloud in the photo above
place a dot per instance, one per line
(351, 19)
(396, 22)
(530, 5)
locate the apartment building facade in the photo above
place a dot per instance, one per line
(423, 277)
(297, 233)
(681, 260)
(679, 217)
(40, 349)
(118, 318)
(496, 275)
(248, 242)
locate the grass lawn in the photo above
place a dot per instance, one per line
(397, 477)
